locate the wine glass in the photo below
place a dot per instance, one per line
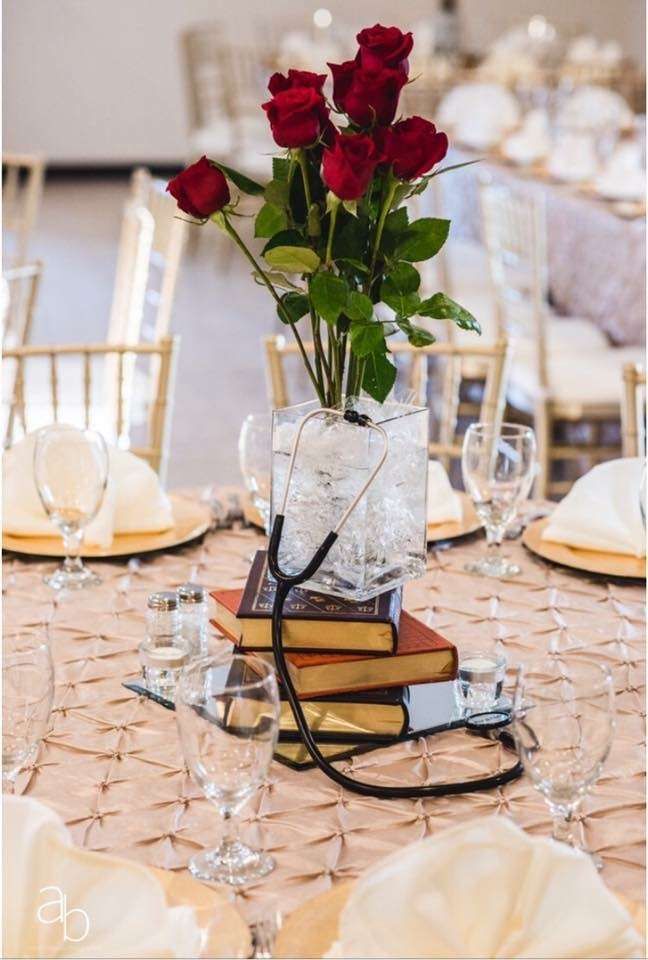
(227, 709)
(563, 723)
(255, 458)
(27, 694)
(497, 466)
(71, 473)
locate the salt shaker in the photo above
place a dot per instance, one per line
(163, 653)
(192, 601)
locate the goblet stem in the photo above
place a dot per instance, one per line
(563, 825)
(72, 545)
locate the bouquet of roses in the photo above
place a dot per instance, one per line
(339, 240)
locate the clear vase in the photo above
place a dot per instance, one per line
(383, 544)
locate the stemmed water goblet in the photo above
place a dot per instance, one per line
(71, 473)
(498, 465)
(255, 457)
(563, 724)
(227, 709)
(27, 695)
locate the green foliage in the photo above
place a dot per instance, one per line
(379, 376)
(245, 184)
(285, 238)
(276, 193)
(329, 295)
(442, 307)
(270, 220)
(399, 289)
(422, 239)
(417, 336)
(280, 169)
(359, 306)
(351, 238)
(367, 338)
(296, 305)
(292, 259)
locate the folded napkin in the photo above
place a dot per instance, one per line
(485, 889)
(601, 511)
(112, 908)
(443, 504)
(573, 157)
(479, 113)
(134, 501)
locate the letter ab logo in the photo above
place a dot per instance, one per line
(57, 912)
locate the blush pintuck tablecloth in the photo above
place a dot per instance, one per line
(112, 767)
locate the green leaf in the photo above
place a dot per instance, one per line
(270, 220)
(399, 289)
(276, 279)
(329, 295)
(285, 238)
(350, 240)
(441, 307)
(351, 206)
(417, 336)
(359, 306)
(280, 169)
(296, 306)
(277, 193)
(396, 221)
(239, 180)
(356, 264)
(367, 338)
(292, 259)
(379, 376)
(453, 166)
(422, 239)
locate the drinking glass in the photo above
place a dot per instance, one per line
(71, 473)
(563, 722)
(227, 709)
(255, 458)
(497, 467)
(27, 694)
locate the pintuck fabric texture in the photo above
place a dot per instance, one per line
(112, 766)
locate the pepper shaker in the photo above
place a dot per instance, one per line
(192, 601)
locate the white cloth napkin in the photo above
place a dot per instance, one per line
(601, 511)
(479, 113)
(485, 889)
(443, 504)
(532, 141)
(134, 501)
(112, 908)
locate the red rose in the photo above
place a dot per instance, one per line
(348, 166)
(200, 190)
(384, 47)
(296, 78)
(413, 147)
(367, 96)
(297, 116)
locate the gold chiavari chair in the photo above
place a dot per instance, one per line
(633, 411)
(563, 370)
(68, 384)
(450, 360)
(18, 297)
(22, 187)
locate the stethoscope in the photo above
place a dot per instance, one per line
(490, 724)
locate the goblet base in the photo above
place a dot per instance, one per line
(498, 567)
(234, 863)
(77, 579)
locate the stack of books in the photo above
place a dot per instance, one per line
(362, 670)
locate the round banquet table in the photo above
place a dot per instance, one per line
(112, 767)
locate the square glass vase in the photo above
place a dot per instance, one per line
(383, 543)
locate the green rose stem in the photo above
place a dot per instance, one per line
(389, 199)
(280, 306)
(334, 206)
(301, 160)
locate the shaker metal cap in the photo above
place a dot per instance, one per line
(191, 593)
(164, 600)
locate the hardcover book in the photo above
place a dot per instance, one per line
(423, 656)
(312, 621)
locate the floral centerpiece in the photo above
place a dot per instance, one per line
(338, 246)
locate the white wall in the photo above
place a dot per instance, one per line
(92, 81)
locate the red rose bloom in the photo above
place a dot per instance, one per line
(413, 147)
(200, 190)
(367, 96)
(296, 78)
(384, 47)
(348, 166)
(297, 116)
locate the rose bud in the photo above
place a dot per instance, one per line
(367, 96)
(348, 166)
(413, 147)
(200, 190)
(296, 78)
(297, 116)
(384, 46)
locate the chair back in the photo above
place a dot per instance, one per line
(73, 384)
(22, 187)
(450, 360)
(18, 294)
(633, 411)
(514, 235)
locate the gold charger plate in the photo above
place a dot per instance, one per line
(226, 932)
(590, 561)
(191, 519)
(310, 931)
(448, 531)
